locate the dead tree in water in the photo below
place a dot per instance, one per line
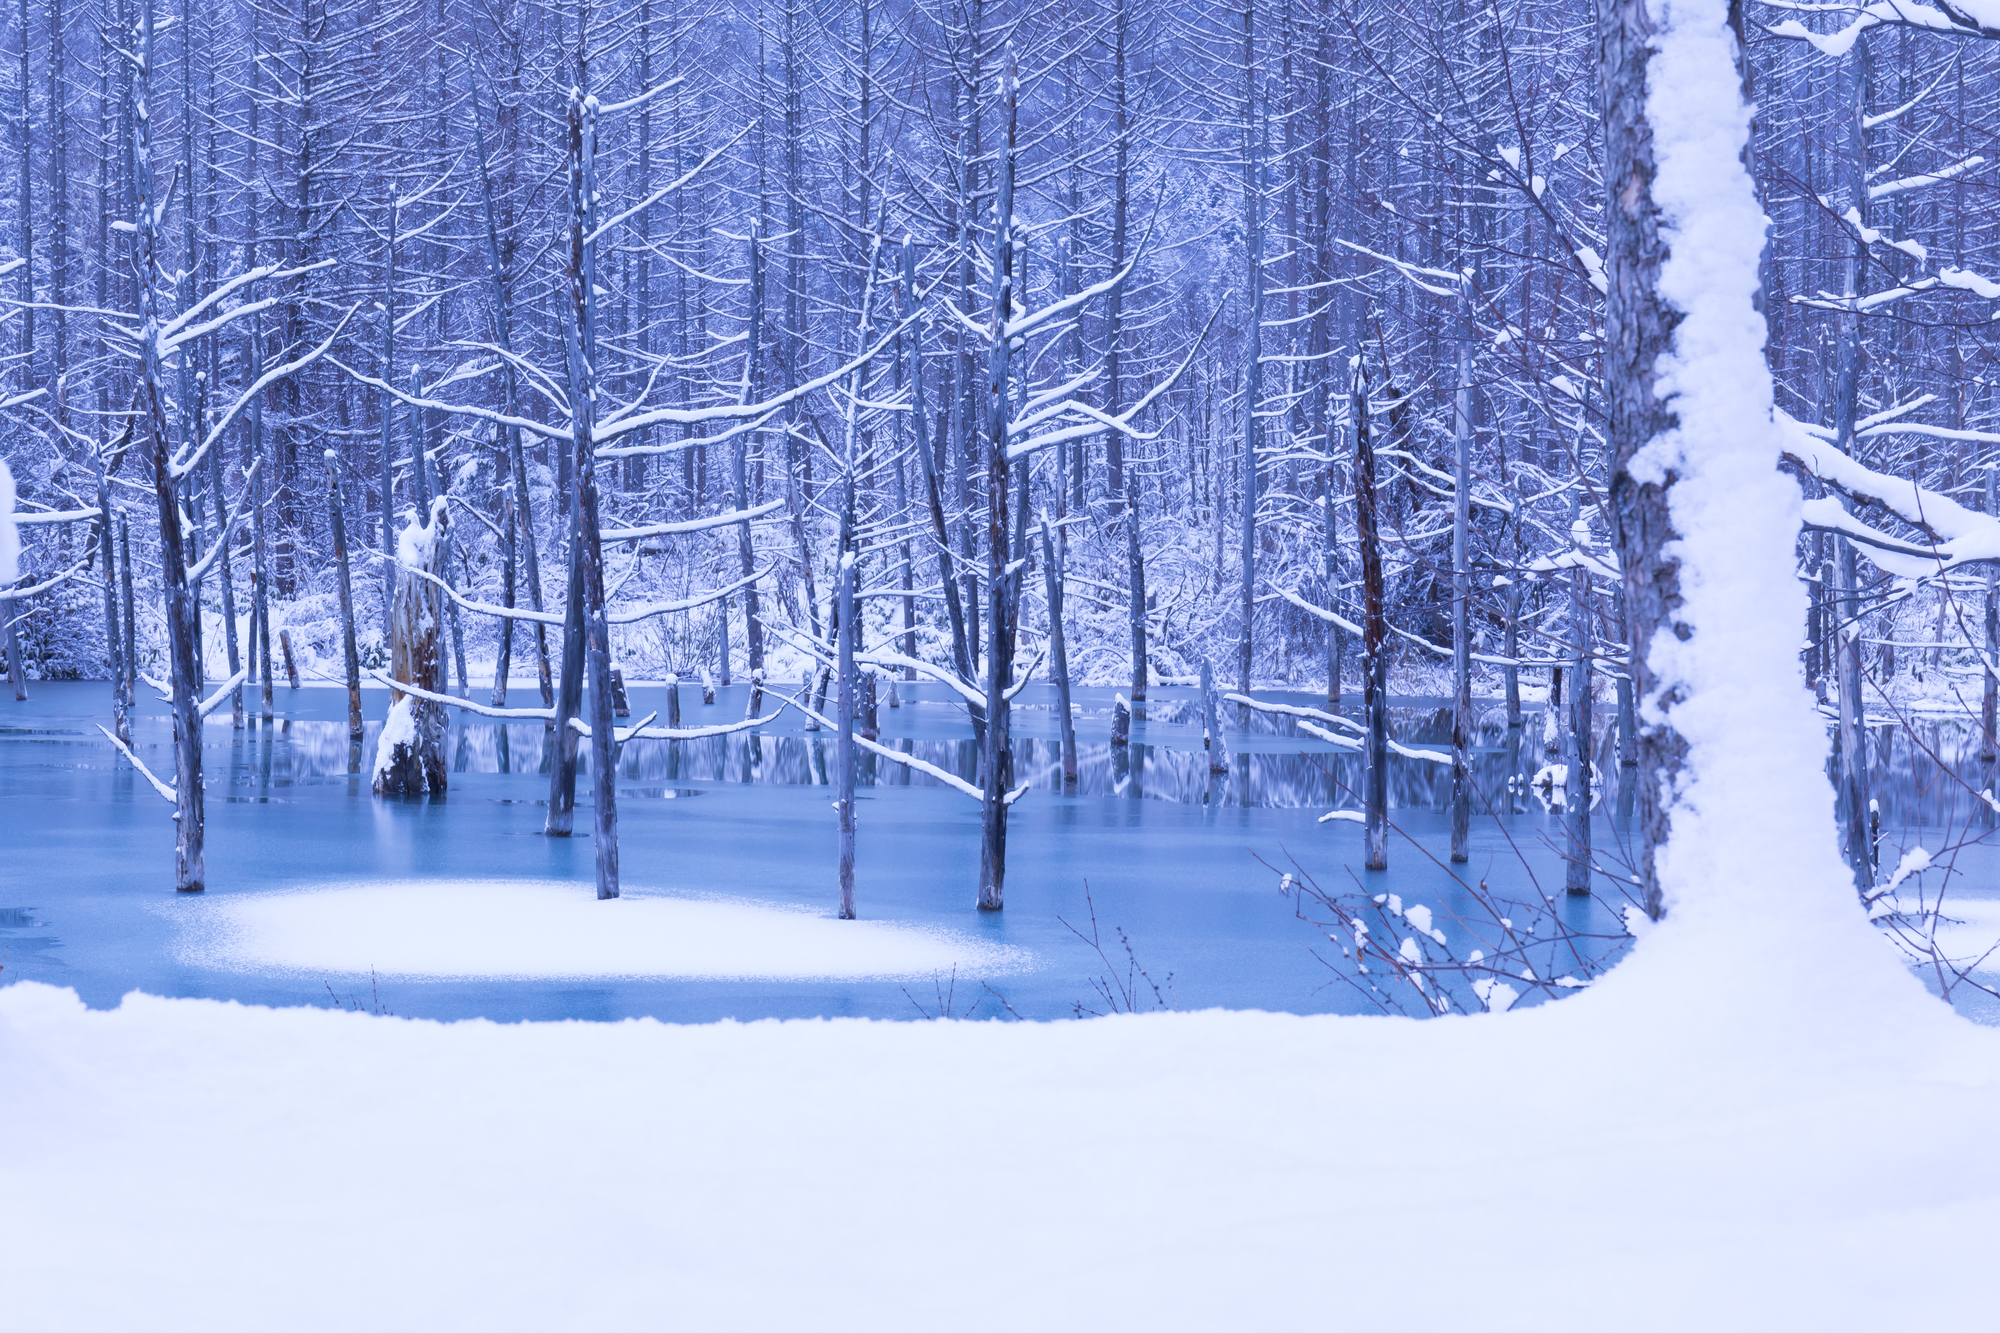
(1002, 577)
(190, 872)
(409, 757)
(1052, 577)
(586, 635)
(1374, 625)
(338, 517)
(1461, 612)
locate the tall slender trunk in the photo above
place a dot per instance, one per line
(753, 622)
(1052, 582)
(1857, 845)
(228, 577)
(1374, 633)
(351, 655)
(1578, 794)
(1253, 357)
(128, 682)
(114, 646)
(523, 506)
(585, 630)
(190, 874)
(843, 762)
(1989, 700)
(1000, 579)
(1461, 599)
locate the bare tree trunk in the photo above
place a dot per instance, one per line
(1628, 737)
(1253, 357)
(753, 624)
(1211, 724)
(503, 659)
(843, 762)
(1374, 633)
(352, 655)
(1461, 598)
(260, 596)
(114, 649)
(1857, 846)
(15, 675)
(1989, 702)
(1000, 579)
(228, 587)
(523, 507)
(585, 622)
(1052, 580)
(128, 680)
(1577, 796)
(190, 874)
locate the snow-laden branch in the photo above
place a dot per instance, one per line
(1964, 19)
(623, 616)
(199, 570)
(646, 733)
(163, 788)
(183, 467)
(949, 779)
(22, 594)
(1962, 536)
(670, 186)
(727, 520)
(61, 516)
(611, 427)
(484, 710)
(620, 616)
(214, 701)
(1302, 718)
(1123, 420)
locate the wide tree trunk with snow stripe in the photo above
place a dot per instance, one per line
(409, 756)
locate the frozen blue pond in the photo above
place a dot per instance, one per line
(1166, 856)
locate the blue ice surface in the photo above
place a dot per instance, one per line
(1168, 859)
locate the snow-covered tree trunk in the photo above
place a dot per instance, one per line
(409, 754)
(1639, 324)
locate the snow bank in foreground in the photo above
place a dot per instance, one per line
(529, 928)
(180, 1164)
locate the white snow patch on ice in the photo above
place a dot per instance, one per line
(455, 928)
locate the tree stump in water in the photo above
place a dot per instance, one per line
(409, 757)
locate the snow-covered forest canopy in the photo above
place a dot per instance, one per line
(916, 319)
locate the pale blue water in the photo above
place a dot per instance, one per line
(86, 893)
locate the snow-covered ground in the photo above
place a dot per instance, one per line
(529, 928)
(1645, 1156)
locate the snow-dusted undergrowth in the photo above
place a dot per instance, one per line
(449, 928)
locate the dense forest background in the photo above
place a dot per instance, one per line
(1235, 220)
